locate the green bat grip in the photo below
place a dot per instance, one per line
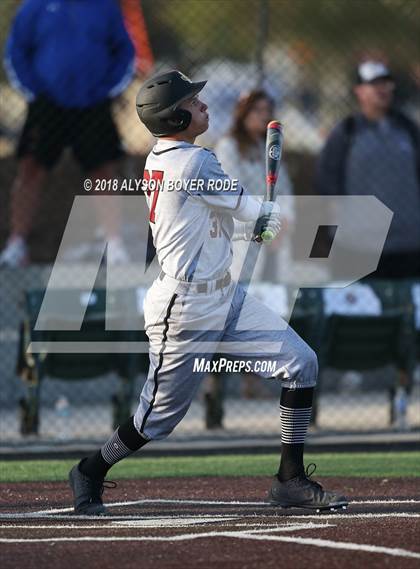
(267, 235)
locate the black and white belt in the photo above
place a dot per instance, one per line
(201, 287)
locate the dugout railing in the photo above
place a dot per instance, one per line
(350, 342)
(34, 367)
(364, 342)
(359, 342)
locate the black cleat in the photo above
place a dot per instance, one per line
(301, 492)
(87, 493)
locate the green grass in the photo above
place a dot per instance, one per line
(372, 464)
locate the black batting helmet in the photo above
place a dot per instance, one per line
(158, 100)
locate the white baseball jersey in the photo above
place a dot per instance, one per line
(192, 203)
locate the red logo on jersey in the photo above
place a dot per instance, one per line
(154, 184)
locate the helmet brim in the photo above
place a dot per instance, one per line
(192, 92)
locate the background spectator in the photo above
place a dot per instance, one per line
(377, 152)
(69, 59)
(242, 156)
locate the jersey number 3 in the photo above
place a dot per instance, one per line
(154, 184)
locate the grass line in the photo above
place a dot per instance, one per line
(378, 464)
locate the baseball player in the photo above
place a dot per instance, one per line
(194, 309)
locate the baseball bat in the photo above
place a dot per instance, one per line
(273, 151)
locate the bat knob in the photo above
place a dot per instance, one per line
(267, 235)
(275, 124)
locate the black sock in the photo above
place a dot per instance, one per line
(295, 414)
(122, 443)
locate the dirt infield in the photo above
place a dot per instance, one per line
(210, 523)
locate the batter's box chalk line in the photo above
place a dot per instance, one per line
(204, 503)
(260, 535)
(133, 525)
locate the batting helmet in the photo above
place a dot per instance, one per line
(158, 100)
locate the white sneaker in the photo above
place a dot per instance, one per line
(15, 254)
(116, 252)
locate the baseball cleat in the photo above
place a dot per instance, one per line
(87, 493)
(302, 492)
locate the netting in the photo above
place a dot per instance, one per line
(70, 125)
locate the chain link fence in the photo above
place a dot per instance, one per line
(304, 57)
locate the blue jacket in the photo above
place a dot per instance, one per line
(75, 52)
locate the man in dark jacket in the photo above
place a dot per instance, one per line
(377, 152)
(69, 58)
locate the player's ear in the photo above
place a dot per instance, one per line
(180, 119)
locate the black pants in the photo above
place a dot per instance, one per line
(90, 133)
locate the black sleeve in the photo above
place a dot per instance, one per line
(330, 166)
(413, 129)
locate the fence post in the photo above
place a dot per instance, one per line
(261, 40)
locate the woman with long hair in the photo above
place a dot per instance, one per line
(242, 155)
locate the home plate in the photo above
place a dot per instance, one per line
(176, 522)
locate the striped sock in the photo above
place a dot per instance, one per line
(294, 424)
(295, 414)
(124, 441)
(114, 449)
